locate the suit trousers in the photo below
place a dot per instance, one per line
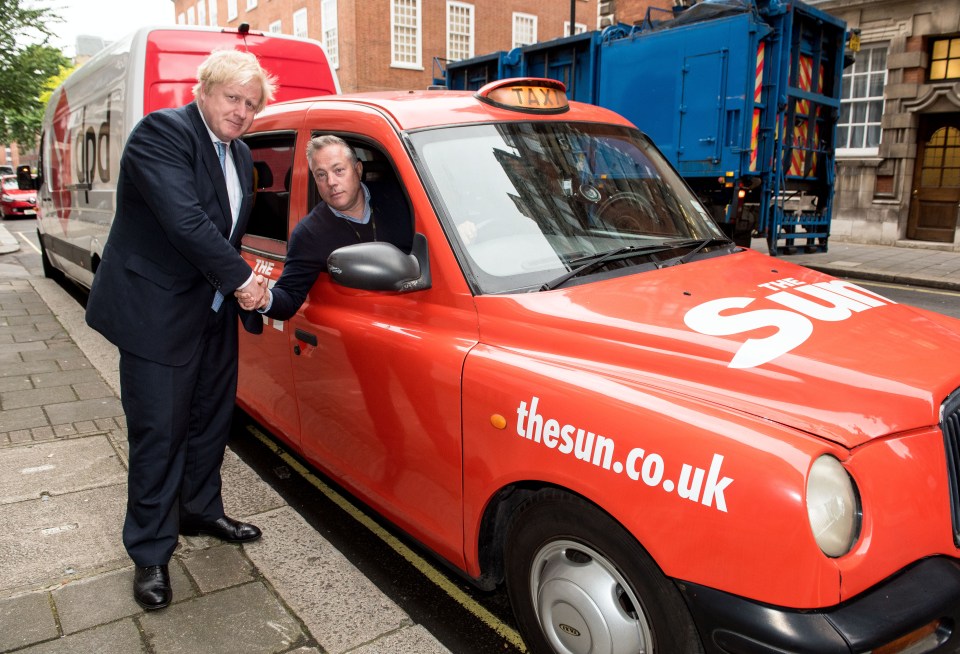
(178, 424)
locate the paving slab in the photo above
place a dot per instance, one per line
(85, 603)
(246, 619)
(56, 539)
(26, 418)
(26, 620)
(36, 397)
(411, 640)
(40, 352)
(338, 604)
(15, 383)
(59, 377)
(115, 638)
(12, 365)
(103, 407)
(244, 492)
(218, 567)
(58, 467)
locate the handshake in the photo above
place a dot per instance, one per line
(254, 295)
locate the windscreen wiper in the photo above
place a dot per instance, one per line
(594, 261)
(700, 245)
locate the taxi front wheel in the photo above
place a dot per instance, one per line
(580, 584)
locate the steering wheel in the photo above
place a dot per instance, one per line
(631, 212)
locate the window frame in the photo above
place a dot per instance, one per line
(328, 34)
(300, 21)
(953, 46)
(519, 16)
(260, 243)
(578, 28)
(395, 62)
(853, 74)
(251, 4)
(276, 27)
(232, 10)
(470, 34)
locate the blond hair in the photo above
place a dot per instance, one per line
(234, 67)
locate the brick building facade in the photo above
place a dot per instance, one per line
(393, 44)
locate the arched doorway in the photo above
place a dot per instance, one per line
(935, 201)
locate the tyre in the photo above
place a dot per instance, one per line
(580, 584)
(48, 270)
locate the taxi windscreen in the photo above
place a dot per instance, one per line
(526, 202)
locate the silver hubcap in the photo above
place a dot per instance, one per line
(584, 604)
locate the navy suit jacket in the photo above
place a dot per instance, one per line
(321, 232)
(170, 246)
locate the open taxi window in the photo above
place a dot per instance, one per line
(273, 159)
(386, 192)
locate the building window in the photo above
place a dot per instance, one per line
(459, 31)
(328, 18)
(579, 28)
(945, 59)
(251, 4)
(231, 9)
(861, 105)
(213, 12)
(190, 19)
(524, 29)
(202, 12)
(181, 19)
(300, 22)
(405, 33)
(275, 27)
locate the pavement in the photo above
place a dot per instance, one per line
(65, 580)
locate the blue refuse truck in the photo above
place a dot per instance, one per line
(742, 96)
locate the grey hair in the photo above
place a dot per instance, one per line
(320, 142)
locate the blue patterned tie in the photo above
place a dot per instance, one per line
(222, 153)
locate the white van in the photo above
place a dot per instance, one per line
(90, 116)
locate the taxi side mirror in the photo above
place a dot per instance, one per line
(379, 266)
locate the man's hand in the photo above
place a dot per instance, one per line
(254, 295)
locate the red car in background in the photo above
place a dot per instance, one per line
(17, 203)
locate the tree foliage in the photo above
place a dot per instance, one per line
(27, 62)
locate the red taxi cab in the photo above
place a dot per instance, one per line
(659, 441)
(14, 202)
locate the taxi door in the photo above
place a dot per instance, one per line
(378, 375)
(265, 383)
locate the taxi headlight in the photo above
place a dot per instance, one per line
(833, 506)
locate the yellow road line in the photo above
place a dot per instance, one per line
(417, 561)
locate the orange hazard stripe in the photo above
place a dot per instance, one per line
(806, 70)
(758, 75)
(757, 97)
(798, 155)
(816, 127)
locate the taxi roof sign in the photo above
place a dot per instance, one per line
(529, 94)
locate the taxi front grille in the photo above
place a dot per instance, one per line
(950, 425)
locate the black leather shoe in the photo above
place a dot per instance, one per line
(228, 529)
(151, 586)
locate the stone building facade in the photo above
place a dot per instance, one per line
(898, 156)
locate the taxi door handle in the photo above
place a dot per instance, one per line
(306, 337)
